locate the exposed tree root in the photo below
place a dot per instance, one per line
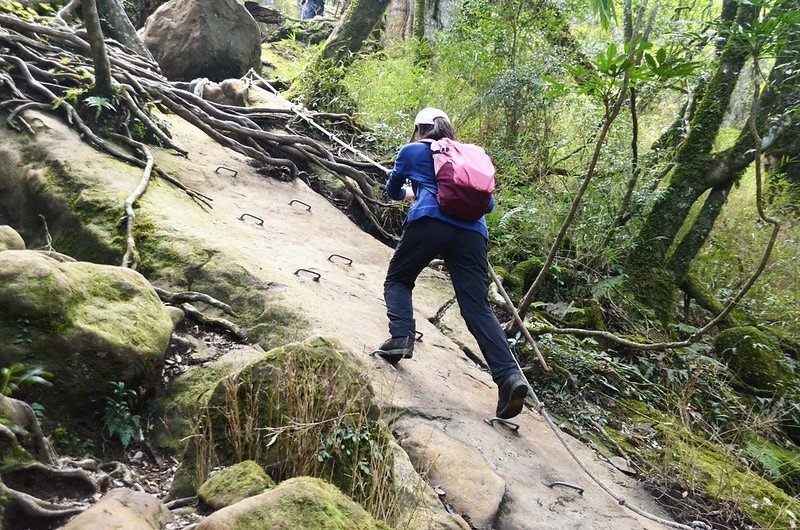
(192, 296)
(220, 323)
(36, 508)
(47, 70)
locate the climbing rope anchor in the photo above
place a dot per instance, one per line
(505, 423)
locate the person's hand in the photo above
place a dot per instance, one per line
(410, 197)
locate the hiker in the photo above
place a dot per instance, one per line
(429, 233)
(312, 8)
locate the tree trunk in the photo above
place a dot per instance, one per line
(348, 37)
(690, 180)
(119, 27)
(102, 66)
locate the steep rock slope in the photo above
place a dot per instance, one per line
(256, 268)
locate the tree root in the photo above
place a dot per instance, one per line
(193, 296)
(46, 66)
(220, 323)
(37, 508)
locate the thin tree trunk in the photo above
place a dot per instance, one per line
(693, 162)
(119, 27)
(102, 66)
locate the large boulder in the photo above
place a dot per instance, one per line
(86, 323)
(302, 503)
(10, 239)
(190, 39)
(755, 358)
(124, 508)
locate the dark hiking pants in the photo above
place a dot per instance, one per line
(464, 254)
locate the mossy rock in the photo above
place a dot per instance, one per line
(587, 314)
(88, 324)
(555, 279)
(511, 283)
(316, 384)
(233, 484)
(10, 239)
(754, 357)
(301, 503)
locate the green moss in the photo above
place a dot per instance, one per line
(179, 408)
(754, 357)
(314, 384)
(655, 287)
(588, 314)
(779, 464)
(305, 503)
(233, 484)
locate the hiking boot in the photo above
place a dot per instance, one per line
(512, 393)
(397, 348)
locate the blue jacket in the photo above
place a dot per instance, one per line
(415, 162)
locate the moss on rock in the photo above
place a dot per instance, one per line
(10, 239)
(754, 357)
(301, 503)
(233, 484)
(88, 324)
(589, 315)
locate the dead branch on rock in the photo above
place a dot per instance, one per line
(131, 254)
(193, 296)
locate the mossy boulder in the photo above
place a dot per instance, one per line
(754, 357)
(302, 503)
(233, 484)
(300, 409)
(556, 277)
(10, 239)
(586, 314)
(87, 324)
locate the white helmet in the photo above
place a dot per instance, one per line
(427, 115)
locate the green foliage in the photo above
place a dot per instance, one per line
(118, 420)
(99, 103)
(16, 374)
(68, 443)
(351, 446)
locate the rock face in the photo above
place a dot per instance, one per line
(302, 503)
(124, 508)
(234, 484)
(470, 484)
(10, 239)
(88, 324)
(189, 39)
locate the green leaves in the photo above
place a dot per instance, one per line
(99, 103)
(16, 374)
(118, 420)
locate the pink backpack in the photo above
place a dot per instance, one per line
(465, 178)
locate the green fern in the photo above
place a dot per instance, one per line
(118, 420)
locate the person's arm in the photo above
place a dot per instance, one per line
(397, 177)
(491, 204)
